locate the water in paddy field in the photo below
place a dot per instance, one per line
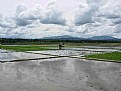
(59, 73)
(11, 55)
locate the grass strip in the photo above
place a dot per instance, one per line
(27, 48)
(115, 56)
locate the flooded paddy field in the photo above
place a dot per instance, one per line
(76, 51)
(12, 55)
(58, 73)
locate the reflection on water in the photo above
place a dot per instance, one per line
(75, 52)
(62, 74)
(11, 55)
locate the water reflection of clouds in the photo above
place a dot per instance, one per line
(64, 73)
(10, 55)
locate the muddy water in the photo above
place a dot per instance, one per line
(60, 74)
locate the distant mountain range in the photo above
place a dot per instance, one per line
(103, 38)
(66, 37)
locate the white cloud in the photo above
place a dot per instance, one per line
(110, 10)
(98, 18)
(52, 15)
(85, 12)
(92, 17)
(116, 21)
(83, 15)
(26, 16)
(6, 22)
(118, 29)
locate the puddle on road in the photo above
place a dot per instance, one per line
(60, 74)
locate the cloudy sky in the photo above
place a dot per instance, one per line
(42, 18)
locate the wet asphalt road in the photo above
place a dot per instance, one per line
(60, 74)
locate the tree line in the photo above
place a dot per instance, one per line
(10, 41)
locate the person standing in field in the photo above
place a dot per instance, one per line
(61, 45)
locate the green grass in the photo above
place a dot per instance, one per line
(27, 48)
(93, 44)
(116, 56)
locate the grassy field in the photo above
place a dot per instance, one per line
(28, 48)
(109, 56)
(93, 44)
